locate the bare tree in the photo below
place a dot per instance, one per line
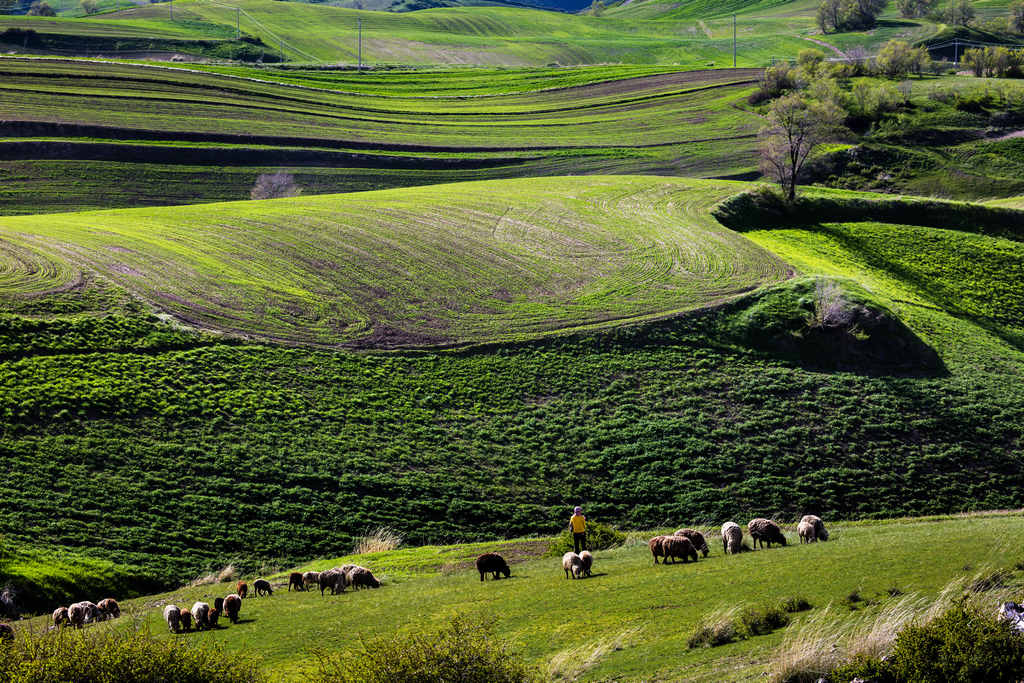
(275, 185)
(795, 128)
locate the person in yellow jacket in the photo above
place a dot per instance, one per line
(578, 526)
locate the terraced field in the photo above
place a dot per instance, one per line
(425, 266)
(77, 135)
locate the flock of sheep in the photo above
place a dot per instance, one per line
(684, 544)
(203, 617)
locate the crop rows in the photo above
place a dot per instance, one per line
(458, 263)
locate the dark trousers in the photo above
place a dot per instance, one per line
(579, 542)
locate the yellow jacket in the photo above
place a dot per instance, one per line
(578, 524)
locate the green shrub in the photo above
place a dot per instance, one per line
(715, 629)
(795, 603)
(462, 651)
(961, 646)
(599, 537)
(757, 622)
(126, 657)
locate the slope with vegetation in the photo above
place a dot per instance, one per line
(180, 450)
(82, 135)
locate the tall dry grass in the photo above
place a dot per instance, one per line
(830, 638)
(378, 540)
(571, 664)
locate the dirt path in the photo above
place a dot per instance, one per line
(827, 46)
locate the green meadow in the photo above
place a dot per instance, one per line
(631, 620)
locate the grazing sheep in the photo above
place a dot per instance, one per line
(571, 562)
(817, 532)
(82, 613)
(218, 604)
(6, 632)
(310, 578)
(493, 563)
(172, 615)
(765, 531)
(186, 621)
(678, 546)
(732, 538)
(262, 587)
(696, 538)
(242, 588)
(201, 615)
(9, 603)
(361, 577)
(60, 616)
(335, 579)
(295, 579)
(211, 621)
(588, 561)
(109, 608)
(655, 545)
(232, 605)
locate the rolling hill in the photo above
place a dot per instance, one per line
(82, 135)
(180, 450)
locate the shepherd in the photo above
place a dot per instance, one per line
(578, 526)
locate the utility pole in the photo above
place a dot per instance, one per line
(238, 24)
(172, 10)
(734, 41)
(359, 26)
(956, 50)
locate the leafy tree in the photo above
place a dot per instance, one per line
(40, 8)
(959, 13)
(90, 6)
(849, 15)
(596, 8)
(897, 58)
(795, 128)
(1017, 16)
(810, 61)
(913, 9)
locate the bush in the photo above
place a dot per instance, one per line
(41, 9)
(796, 603)
(599, 537)
(126, 657)
(462, 651)
(275, 186)
(758, 622)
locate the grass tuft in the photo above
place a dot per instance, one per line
(571, 664)
(378, 540)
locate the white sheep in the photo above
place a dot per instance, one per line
(732, 538)
(571, 562)
(588, 561)
(201, 615)
(817, 530)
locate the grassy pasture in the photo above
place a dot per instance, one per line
(453, 264)
(648, 610)
(169, 445)
(91, 135)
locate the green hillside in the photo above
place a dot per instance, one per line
(168, 446)
(81, 135)
(423, 266)
(631, 620)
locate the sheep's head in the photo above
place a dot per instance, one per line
(214, 616)
(507, 571)
(705, 551)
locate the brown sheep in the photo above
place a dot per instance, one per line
(361, 577)
(310, 578)
(813, 531)
(588, 561)
(494, 564)
(6, 632)
(201, 616)
(82, 613)
(242, 588)
(60, 616)
(172, 615)
(655, 545)
(212, 619)
(765, 531)
(186, 620)
(571, 562)
(696, 538)
(295, 579)
(232, 605)
(678, 546)
(732, 538)
(110, 608)
(262, 587)
(334, 579)
(218, 604)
